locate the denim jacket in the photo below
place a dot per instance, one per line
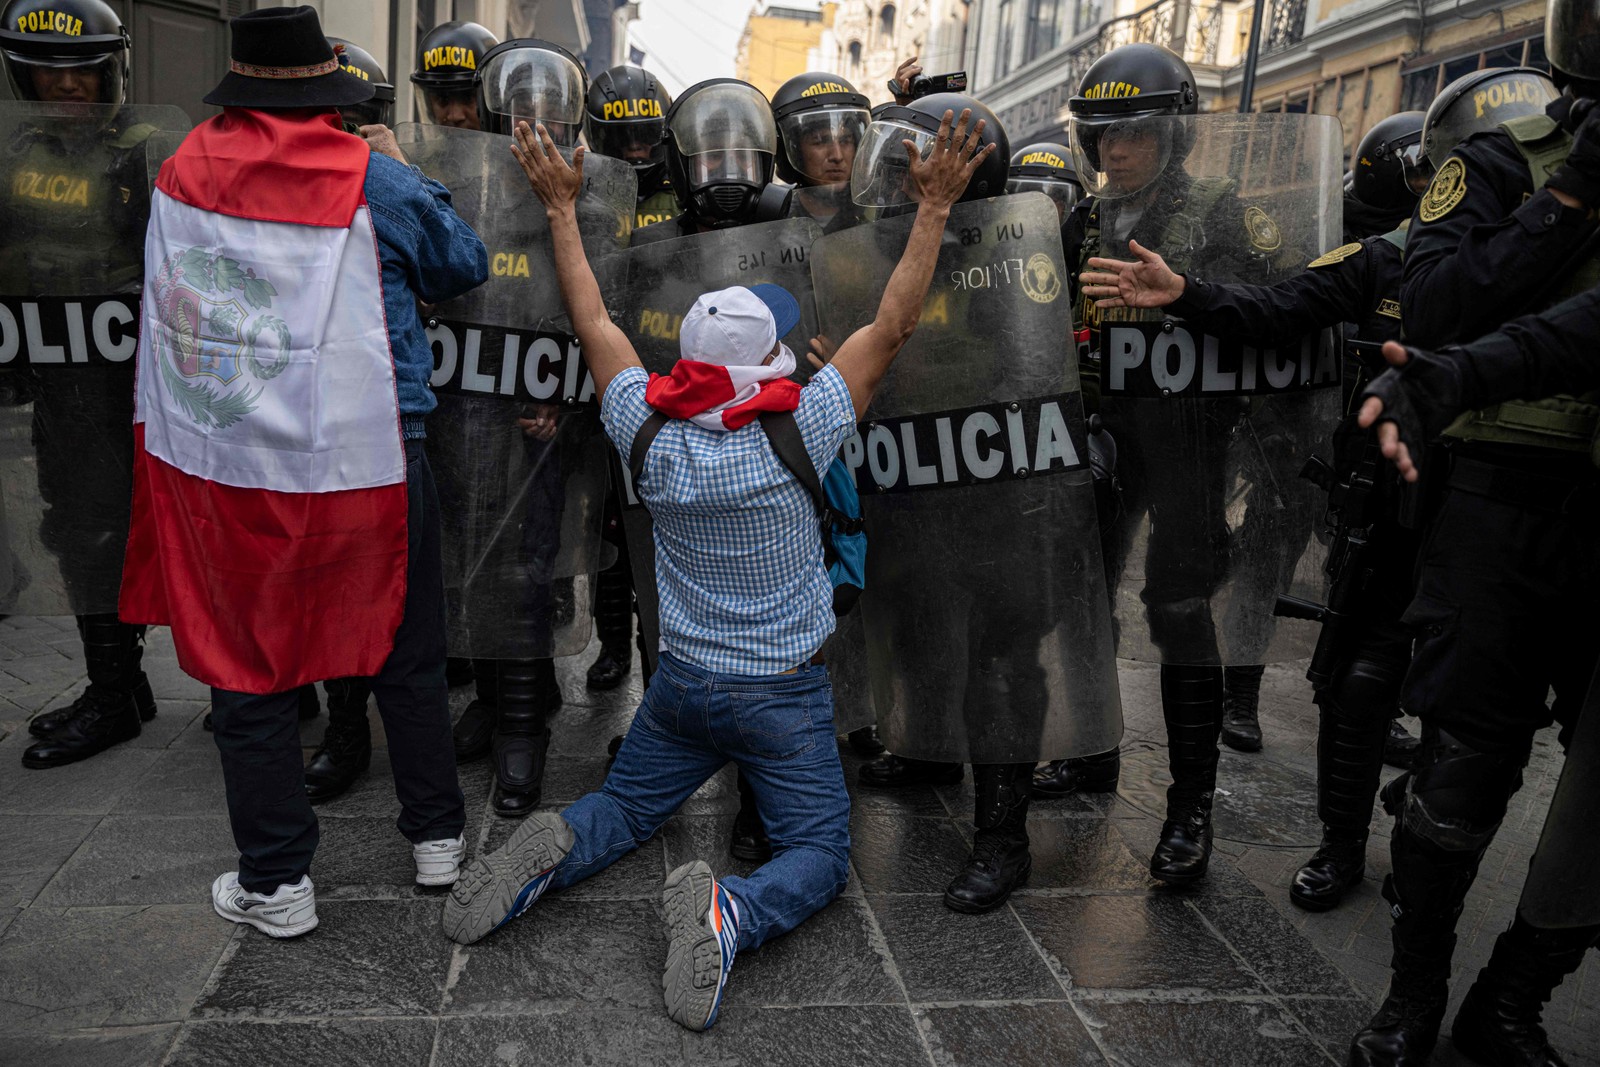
(427, 253)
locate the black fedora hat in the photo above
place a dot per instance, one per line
(280, 59)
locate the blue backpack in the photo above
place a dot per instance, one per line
(844, 534)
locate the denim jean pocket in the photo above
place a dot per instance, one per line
(663, 699)
(775, 725)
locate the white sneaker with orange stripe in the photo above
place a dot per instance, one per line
(703, 935)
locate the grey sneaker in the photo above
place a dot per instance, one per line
(439, 862)
(703, 935)
(291, 910)
(496, 888)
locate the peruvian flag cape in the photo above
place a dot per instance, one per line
(269, 509)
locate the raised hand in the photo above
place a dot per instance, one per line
(955, 156)
(1145, 282)
(556, 184)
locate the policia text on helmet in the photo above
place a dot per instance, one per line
(65, 51)
(721, 145)
(1127, 128)
(448, 59)
(626, 119)
(532, 81)
(1046, 167)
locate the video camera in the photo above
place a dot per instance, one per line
(926, 85)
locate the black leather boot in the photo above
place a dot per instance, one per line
(310, 705)
(1081, 774)
(866, 742)
(521, 737)
(749, 839)
(1349, 762)
(108, 712)
(1241, 724)
(127, 641)
(898, 772)
(613, 624)
(474, 731)
(1191, 703)
(346, 749)
(1400, 748)
(1500, 1020)
(1000, 859)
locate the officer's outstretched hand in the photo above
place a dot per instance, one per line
(1411, 404)
(1145, 282)
(939, 180)
(556, 184)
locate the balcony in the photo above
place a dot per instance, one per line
(1191, 29)
(1285, 24)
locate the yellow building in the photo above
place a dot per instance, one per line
(776, 44)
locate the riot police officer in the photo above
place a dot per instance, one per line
(359, 63)
(448, 59)
(1046, 167)
(75, 52)
(821, 121)
(721, 144)
(1508, 574)
(626, 119)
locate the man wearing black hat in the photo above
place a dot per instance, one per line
(285, 523)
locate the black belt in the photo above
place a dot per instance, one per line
(1562, 495)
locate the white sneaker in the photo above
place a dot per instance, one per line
(439, 862)
(289, 912)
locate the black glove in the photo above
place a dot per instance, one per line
(1421, 399)
(1579, 176)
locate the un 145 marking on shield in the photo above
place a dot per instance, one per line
(969, 446)
(69, 331)
(1165, 359)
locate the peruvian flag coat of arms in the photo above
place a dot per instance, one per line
(269, 511)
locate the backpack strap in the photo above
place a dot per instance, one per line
(641, 447)
(783, 433)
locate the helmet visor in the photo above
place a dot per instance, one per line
(448, 107)
(732, 166)
(882, 173)
(66, 79)
(720, 118)
(822, 145)
(1120, 156)
(372, 112)
(1064, 193)
(1572, 38)
(535, 85)
(637, 143)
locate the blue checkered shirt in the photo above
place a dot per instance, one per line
(738, 547)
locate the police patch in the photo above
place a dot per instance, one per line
(1388, 307)
(1264, 233)
(1338, 255)
(1447, 190)
(1040, 281)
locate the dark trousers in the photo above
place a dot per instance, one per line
(259, 736)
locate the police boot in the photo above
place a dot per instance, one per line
(1191, 704)
(346, 749)
(749, 841)
(107, 713)
(866, 742)
(1080, 774)
(1400, 748)
(1499, 1021)
(127, 641)
(1000, 860)
(898, 772)
(474, 731)
(613, 624)
(521, 737)
(1349, 761)
(1241, 725)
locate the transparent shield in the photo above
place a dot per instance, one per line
(521, 511)
(822, 145)
(1123, 156)
(536, 85)
(880, 176)
(71, 272)
(1213, 431)
(986, 614)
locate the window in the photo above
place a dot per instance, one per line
(1419, 85)
(1003, 39)
(855, 57)
(1044, 28)
(886, 24)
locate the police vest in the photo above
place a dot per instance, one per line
(1564, 422)
(657, 207)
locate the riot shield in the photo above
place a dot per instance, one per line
(1213, 431)
(649, 289)
(1562, 878)
(77, 180)
(986, 613)
(521, 499)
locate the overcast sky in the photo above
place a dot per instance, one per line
(691, 40)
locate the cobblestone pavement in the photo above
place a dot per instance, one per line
(110, 954)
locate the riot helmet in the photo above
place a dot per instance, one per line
(65, 51)
(626, 116)
(721, 142)
(821, 121)
(1387, 171)
(1481, 101)
(529, 80)
(1572, 41)
(448, 59)
(1126, 125)
(1046, 167)
(359, 63)
(880, 177)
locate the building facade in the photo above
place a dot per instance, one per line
(778, 43)
(869, 38)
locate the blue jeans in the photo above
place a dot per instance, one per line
(779, 729)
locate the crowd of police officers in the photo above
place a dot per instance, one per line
(1200, 370)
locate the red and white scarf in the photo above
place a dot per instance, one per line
(721, 398)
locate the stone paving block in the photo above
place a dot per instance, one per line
(123, 1046)
(592, 1038)
(35, 847)
(7, 916)
(173, 719)
(906, 854)
(366, 957)
(89, 787)
(1286, 962)
(567, 780)
(805, 1037)
(83, 967)
(182, 781)
(834, 957)
(943, 957)
(583, 732)
(359, 852)
(638, 875)
(1133, 943)
(1017, 1035)
(1214, 1034)
(565, 954)
(1081, 854)
(341, 1042)
(701, 837)
(145, 859)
